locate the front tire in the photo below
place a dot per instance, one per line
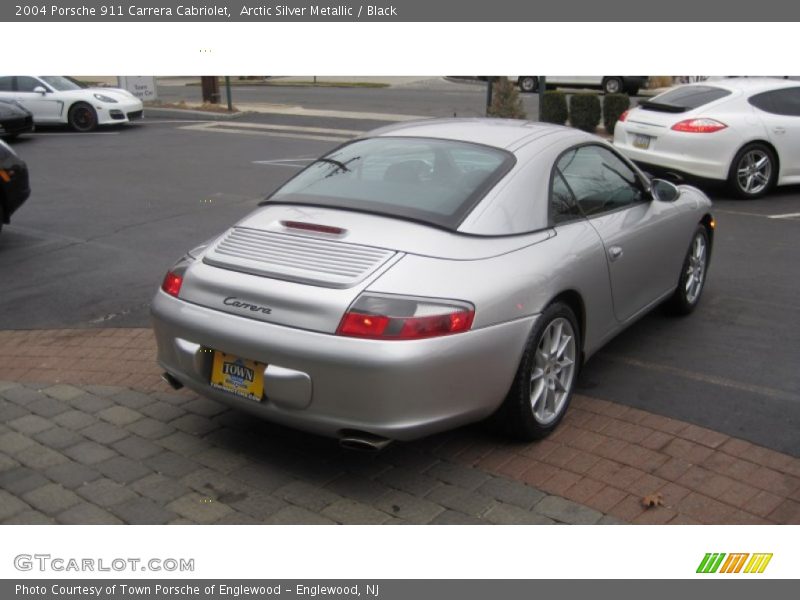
(753, 172)
(82, 117)
(542, 387)
(693, 274)
(528, 84)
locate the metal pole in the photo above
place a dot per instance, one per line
(542, 89)
(228, 93)
(489, 86)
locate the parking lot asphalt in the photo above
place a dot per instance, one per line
(112, 210)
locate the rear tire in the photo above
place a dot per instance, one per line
(612, 85)
(82, 117)
(693, 275)
(542, 388)
(753, 171)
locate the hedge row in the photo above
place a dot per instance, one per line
(584, 109)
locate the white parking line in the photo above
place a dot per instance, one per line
(785, 216)
(214, 128)
(297, 128)
(285, 131)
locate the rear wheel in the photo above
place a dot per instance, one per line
(693, 274)
(82, 117)
(753, 172)
(612, 85)
(528, 83)
(546, 376)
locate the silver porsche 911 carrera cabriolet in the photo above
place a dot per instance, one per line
(428, 275)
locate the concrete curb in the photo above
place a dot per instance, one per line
(188, 114)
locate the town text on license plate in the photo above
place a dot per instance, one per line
(239, 376)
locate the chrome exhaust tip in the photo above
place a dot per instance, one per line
(171, 381)
(363, 442)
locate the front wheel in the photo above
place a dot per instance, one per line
(753, 172)
(693, 274)
(528, 84)
(82, 117)
(546, 376)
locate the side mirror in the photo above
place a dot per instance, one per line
(664, 191)
(40, 90)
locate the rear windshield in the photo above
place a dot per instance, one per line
(685, 98)
(429, 180)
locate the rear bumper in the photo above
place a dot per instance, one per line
(701, 155)
(327, 384)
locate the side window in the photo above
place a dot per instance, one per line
(600, 181)
(562, 203)
(5, 84)
(779, 102)
(27, 84)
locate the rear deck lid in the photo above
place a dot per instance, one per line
(296, 257)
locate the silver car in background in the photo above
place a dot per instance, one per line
(429, 275)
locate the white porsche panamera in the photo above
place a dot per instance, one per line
(744, 131)
(57, 100)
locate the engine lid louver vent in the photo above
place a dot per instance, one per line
(296, 257)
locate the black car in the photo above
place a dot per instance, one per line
(14, 187)
(14, 119)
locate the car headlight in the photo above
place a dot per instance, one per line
(104, 98)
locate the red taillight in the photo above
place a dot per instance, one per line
(623, 116)
(404, 328)
(172, 284)
(386, 317)
(359, 325)
(698, 126)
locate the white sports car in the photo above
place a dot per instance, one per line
(55, 100)
(742, 131)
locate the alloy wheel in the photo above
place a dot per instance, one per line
(754, 171)
(553, 371)
(696, 269)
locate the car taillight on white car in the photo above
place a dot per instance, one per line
(699, 126)
(386, 317)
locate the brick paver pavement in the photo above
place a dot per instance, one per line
(89, 434)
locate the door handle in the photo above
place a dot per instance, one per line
(614, 252)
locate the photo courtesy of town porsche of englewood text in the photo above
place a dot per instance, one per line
(373, 300)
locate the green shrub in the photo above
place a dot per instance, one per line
(584, 111)
(613, 106)
(506, 102)
(553, 108)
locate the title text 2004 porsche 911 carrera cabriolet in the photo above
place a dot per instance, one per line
(429, 275)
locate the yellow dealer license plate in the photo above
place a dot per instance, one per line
(239, 376)
(642, 141)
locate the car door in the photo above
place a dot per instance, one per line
(46, 108)
(642, 238)
(779, 111)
